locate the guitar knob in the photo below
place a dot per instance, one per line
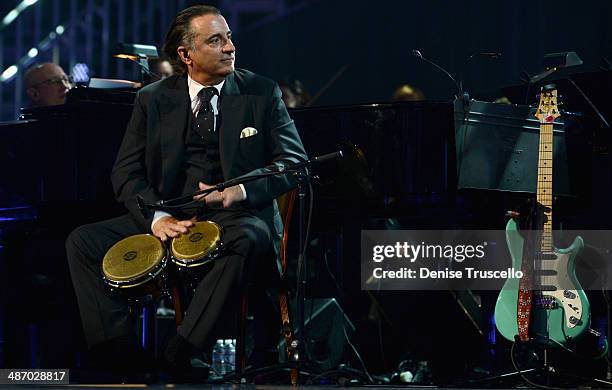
(573, 320)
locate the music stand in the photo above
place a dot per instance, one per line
(495, 148)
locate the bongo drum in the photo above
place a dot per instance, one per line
(135, 267)
(198, 247)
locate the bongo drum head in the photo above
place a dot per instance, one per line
(133, 257)
(201, 240)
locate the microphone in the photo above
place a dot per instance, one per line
(325, 157)
(490, 55)
(419, 55)
(493, 56)
(314, 160)
(143, 207)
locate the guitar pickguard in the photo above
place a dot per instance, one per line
(568, 299)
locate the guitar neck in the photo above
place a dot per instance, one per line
(545, 181)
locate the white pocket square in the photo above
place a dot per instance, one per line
(248, 132)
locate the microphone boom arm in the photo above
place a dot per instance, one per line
(280, 170)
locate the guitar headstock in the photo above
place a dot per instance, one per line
(548, 109)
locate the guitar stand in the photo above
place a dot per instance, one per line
(546, 375)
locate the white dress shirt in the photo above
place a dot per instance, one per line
(194, 89)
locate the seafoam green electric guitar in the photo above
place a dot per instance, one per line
(548, 303)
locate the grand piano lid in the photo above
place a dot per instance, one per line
(86, 100)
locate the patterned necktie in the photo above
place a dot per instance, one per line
(205, 119)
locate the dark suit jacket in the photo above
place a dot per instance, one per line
(151, 154)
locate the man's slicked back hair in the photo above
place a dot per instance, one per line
(181, 34)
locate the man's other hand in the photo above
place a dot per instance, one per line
(224, 199)
(170, 227)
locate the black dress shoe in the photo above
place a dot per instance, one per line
(122, 360)
(177, 362)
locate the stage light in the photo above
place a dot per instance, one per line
(8, 19)
(9, 73)
(80, 73)
(140, 54)
(135, 51)
(59, 29)
(14, 13)
(33, 52)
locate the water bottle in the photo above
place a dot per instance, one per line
(227, 356)
(232, 356)
(218, 364)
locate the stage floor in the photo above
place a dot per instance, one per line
(220, 387)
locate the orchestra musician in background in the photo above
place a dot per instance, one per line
(46, 84)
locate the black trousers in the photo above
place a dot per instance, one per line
(247, 243)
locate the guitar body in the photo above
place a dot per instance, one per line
(558, 316)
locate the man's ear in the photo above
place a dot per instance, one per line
(183, 53)
(33, 94)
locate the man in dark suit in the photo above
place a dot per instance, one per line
(207, 124)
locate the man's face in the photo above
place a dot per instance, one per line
(49, 86)
(213, 55)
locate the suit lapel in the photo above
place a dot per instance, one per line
(174, 111)
(232, 116)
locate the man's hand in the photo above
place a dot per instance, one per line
(224, 199)
(166, 227)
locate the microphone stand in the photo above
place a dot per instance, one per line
(460, 95)
(302, 266)
(146, 75)
(181, 201)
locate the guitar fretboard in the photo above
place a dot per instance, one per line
(545, 191)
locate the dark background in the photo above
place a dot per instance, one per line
(312, 40)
